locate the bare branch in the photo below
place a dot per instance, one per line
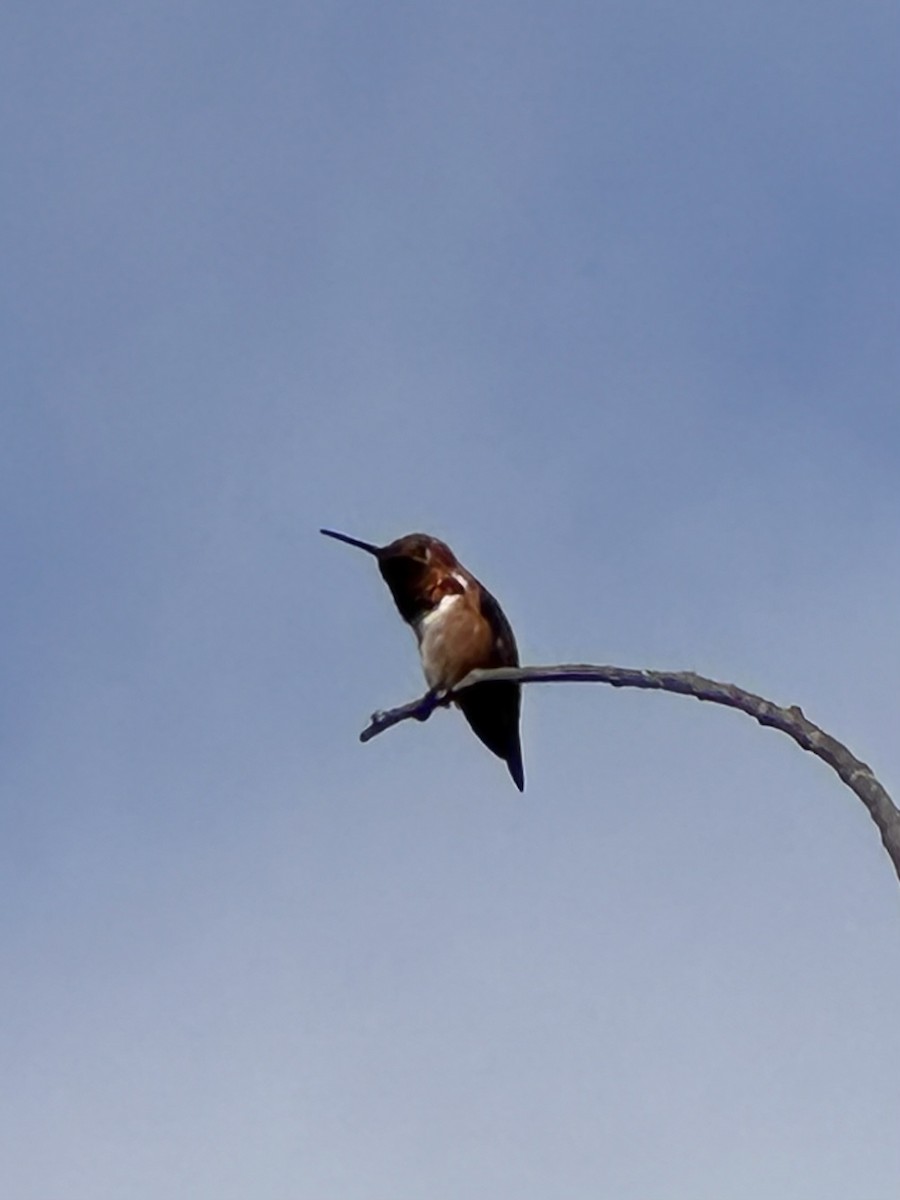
(856, 775)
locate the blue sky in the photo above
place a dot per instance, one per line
(606, 297)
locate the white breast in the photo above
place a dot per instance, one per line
(431, 629)
(437, 616)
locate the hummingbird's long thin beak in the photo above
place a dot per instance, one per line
(342, 537)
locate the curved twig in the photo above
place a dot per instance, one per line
(856, 774)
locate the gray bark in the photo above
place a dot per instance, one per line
(856, 774)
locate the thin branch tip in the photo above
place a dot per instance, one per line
(791, 721)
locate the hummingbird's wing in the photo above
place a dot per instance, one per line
(492, 709)
(505, 652)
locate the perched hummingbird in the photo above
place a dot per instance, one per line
(459, 627)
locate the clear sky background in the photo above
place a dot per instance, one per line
(606, 296)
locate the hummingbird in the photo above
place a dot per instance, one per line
(459, 627)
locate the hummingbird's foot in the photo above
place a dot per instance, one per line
(435, 698)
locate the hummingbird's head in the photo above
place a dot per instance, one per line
(416, 551)
(410, 565)
(422, 550)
